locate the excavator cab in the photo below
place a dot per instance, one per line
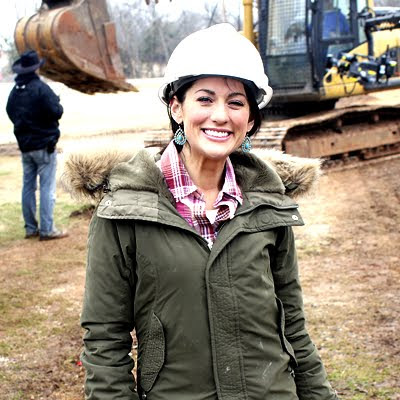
(319, 49)
(78, 41)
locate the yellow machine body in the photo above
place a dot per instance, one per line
(336, 86)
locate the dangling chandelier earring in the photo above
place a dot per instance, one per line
(246, 144)
(180, 136)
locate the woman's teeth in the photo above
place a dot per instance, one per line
(216, 134)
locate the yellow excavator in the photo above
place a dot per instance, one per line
(317, 52)
(314, 52)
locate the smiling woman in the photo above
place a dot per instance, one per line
(216, 118)
(194, 248)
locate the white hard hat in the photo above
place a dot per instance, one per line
(219, 50)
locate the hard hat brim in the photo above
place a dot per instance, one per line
(169, 89)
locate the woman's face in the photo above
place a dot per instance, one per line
(215, 115)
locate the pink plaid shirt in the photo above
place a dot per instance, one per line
(190, 202)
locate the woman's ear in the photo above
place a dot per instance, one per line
(250, 125)
(176, 110)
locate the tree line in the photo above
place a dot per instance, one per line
(146, 37)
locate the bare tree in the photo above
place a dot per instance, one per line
(131, 19)
(7, 47)
(147, 38)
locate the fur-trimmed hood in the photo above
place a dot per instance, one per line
(88, 175)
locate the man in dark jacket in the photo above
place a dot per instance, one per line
(35, 110)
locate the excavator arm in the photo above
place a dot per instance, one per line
(78, 41)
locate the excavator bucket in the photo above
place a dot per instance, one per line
(78, 42)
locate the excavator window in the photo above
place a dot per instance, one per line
(334, 31)
(335, 25)
(336, 19)
(361, 6)
(285, 45)
(289, 35)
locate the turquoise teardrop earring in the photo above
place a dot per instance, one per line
(246, 144)
(180, 136)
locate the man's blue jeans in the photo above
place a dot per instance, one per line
(39, 163)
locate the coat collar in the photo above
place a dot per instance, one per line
(88, 175)
(134, 188)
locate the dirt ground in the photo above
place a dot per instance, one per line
(349, 261)
(350, 265)
(349, 258)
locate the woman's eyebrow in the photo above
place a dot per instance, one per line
(211, 92)
(234, 94)
(206, 90)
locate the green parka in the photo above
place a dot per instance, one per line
(219, 324)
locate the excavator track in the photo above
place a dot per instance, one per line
(338, 137)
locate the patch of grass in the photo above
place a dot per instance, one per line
(313, 246)
(10, 166)
(361, 377)
(12, 223)
(4, 349)
(18, 396)
(39, 316)
(63, 211)
(24, 272)
(27, 307)
(17, 312)
(5, 173)
(356, 370)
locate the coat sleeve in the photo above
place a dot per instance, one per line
(10, 106)
(108, 312)
(310, 376)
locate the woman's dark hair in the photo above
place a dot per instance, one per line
(180, 95)
(255, 113)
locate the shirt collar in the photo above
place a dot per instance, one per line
(178, 180)
(230, 187)
(181, 185)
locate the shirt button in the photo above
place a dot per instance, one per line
(108, 203)
(295, 217)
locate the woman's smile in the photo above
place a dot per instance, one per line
(215, 115)
(217, 134)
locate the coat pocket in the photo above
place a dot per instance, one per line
(153, 354)
(287, 347)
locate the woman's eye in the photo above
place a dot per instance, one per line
(237, 103)
(204, 99)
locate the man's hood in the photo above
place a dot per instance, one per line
(88, 175)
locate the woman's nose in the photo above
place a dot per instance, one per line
(219, 113)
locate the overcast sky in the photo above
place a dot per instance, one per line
(12, 10)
